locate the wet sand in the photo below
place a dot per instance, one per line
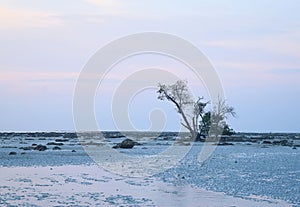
(90, 185)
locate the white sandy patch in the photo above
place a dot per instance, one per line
(81, 185)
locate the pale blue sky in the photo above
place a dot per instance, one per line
(253, 44)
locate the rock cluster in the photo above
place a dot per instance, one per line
(35, 147)
(126, 144)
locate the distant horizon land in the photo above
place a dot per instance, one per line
(168, 131)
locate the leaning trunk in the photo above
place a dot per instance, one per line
(196, 136)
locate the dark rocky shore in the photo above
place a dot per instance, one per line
(56, 140)
(21, 143)
(238, 137)
(264, 164)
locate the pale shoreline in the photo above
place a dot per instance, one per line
(90, 185)
(252, 173)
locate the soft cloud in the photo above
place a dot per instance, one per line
(119, 9)
(16, 18)
(282, 44)
(102, 3)
(106, 8)
(21, 83)
(37, 76)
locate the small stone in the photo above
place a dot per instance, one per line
(40, 147)
(12, 153)
(27, 148)
(126, 144)
(56, 148)
(61, 140)
(225, 144)
(70, 135)
(55, 143)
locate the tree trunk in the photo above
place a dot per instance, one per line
(196, 137)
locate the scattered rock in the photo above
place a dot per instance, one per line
(224, 144)
(266, 142)
(113, 135)
(61, 140)
(40, 147)
(42, 134)
(9, 147)
(73, 150)
(27, 148)
(125, 144)
(294, 147)
(56, 148)
(137, 144)
(55, 143)
(12, 153)
(52, 134)
(23, 153)
(281, 142)
(29, 139)
(70, 135)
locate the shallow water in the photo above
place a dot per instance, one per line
(82, 185)
(244, 171)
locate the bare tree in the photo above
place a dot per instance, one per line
(218, 117)
(193, 114)
(189, 110)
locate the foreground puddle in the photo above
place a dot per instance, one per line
(89, 185)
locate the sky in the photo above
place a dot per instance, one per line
(254, 45)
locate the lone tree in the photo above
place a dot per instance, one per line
(195, 118)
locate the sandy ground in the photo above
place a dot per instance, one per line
(90, 185)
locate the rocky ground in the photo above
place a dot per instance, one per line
(246, 166)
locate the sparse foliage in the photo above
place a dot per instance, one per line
(195, 118)
(218, 117)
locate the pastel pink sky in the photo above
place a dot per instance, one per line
(253, 45)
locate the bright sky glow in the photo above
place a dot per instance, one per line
(253, 44)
